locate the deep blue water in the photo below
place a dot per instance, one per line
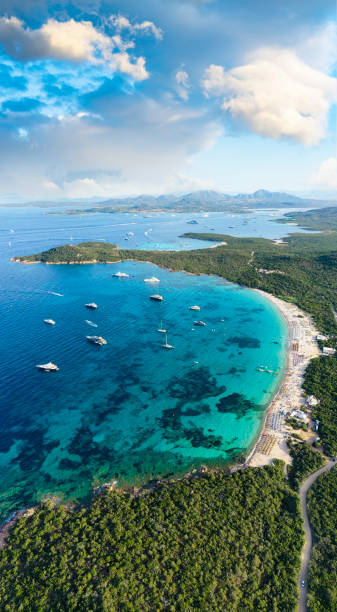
(131, 409)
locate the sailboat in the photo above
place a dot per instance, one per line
(161, 329)
(166, 345)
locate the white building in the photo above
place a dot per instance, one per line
(312, 401)
(299, 414)
(328, 351)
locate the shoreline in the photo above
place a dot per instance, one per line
(302, 347)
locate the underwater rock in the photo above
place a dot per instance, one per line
(237, 404)
(244, 341)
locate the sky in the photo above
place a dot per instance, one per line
(103, 99)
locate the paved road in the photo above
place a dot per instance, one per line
(306, 551)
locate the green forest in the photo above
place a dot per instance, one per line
(321, 381)
(317, 219)
(304, 462)
(323, 566)
(215, 542)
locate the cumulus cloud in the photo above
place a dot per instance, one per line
(183, 84)
(326, 176)
(144, 147)
(276, 94)
(122, 23)
(75, 41)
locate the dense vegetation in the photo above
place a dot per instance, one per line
(217, 542)
(304, 462)
(323, 567)
(321, 381)
(318, 219)
(79, 253)
(303, 270)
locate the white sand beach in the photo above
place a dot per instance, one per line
(302, 347)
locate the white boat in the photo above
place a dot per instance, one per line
(161, 329)
(49, 321)
(48, 367)
(156, 297)
(92, 306)
(194, 307)
(153, 279)
(121, 275)
(166, 345)
(199, 323)
(96, 340)
(90, 323)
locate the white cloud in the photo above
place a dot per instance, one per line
(326, 176)
(76, 41)
(144, 147)
(319, 49)
(183, 84)
(276, 94)
(122, 23)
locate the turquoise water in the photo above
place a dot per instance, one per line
(130, 410)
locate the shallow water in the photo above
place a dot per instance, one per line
(131, 409)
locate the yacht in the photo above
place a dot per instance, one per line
(156, 297)
(96, 340)
(166, 345)
(121, 274)
(194, 307)
(48, 367)
(49, 321)
(161, 329)
(92, 305)
(153, 279)
(200, 323)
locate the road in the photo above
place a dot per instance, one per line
(306, 551)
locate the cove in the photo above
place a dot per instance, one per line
(130, 410)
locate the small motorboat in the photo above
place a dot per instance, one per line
(156, 298)
(96, 340)
(153, 279)
(199, 323)
(48, 367)
(91, 306)
(194, 307)
(121, 274)
(49, 321)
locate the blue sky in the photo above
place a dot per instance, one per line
(104, 99)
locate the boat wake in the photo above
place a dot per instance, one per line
(55, 293)
(91, 323)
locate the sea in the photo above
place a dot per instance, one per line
(132, 410)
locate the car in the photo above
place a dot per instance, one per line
(302, 583)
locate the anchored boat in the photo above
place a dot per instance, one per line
(48, 367)
(96, 340)
(156, 297)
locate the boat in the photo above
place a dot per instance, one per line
(96, 340)
(153, 279)
(49, 321)
(161, 329)
(156, 297)
(90, 323)
(194, 307)
(192, 222)
(200, 323)
(121, 274)
(92, 306)
(48, 367)
(166, 345)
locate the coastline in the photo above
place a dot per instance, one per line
(302, 347)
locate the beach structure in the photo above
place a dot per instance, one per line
(299, 414)
(321, 337)
(327, 350)
(312, 401)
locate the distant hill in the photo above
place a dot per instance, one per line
(212, 200)
(196, 201)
